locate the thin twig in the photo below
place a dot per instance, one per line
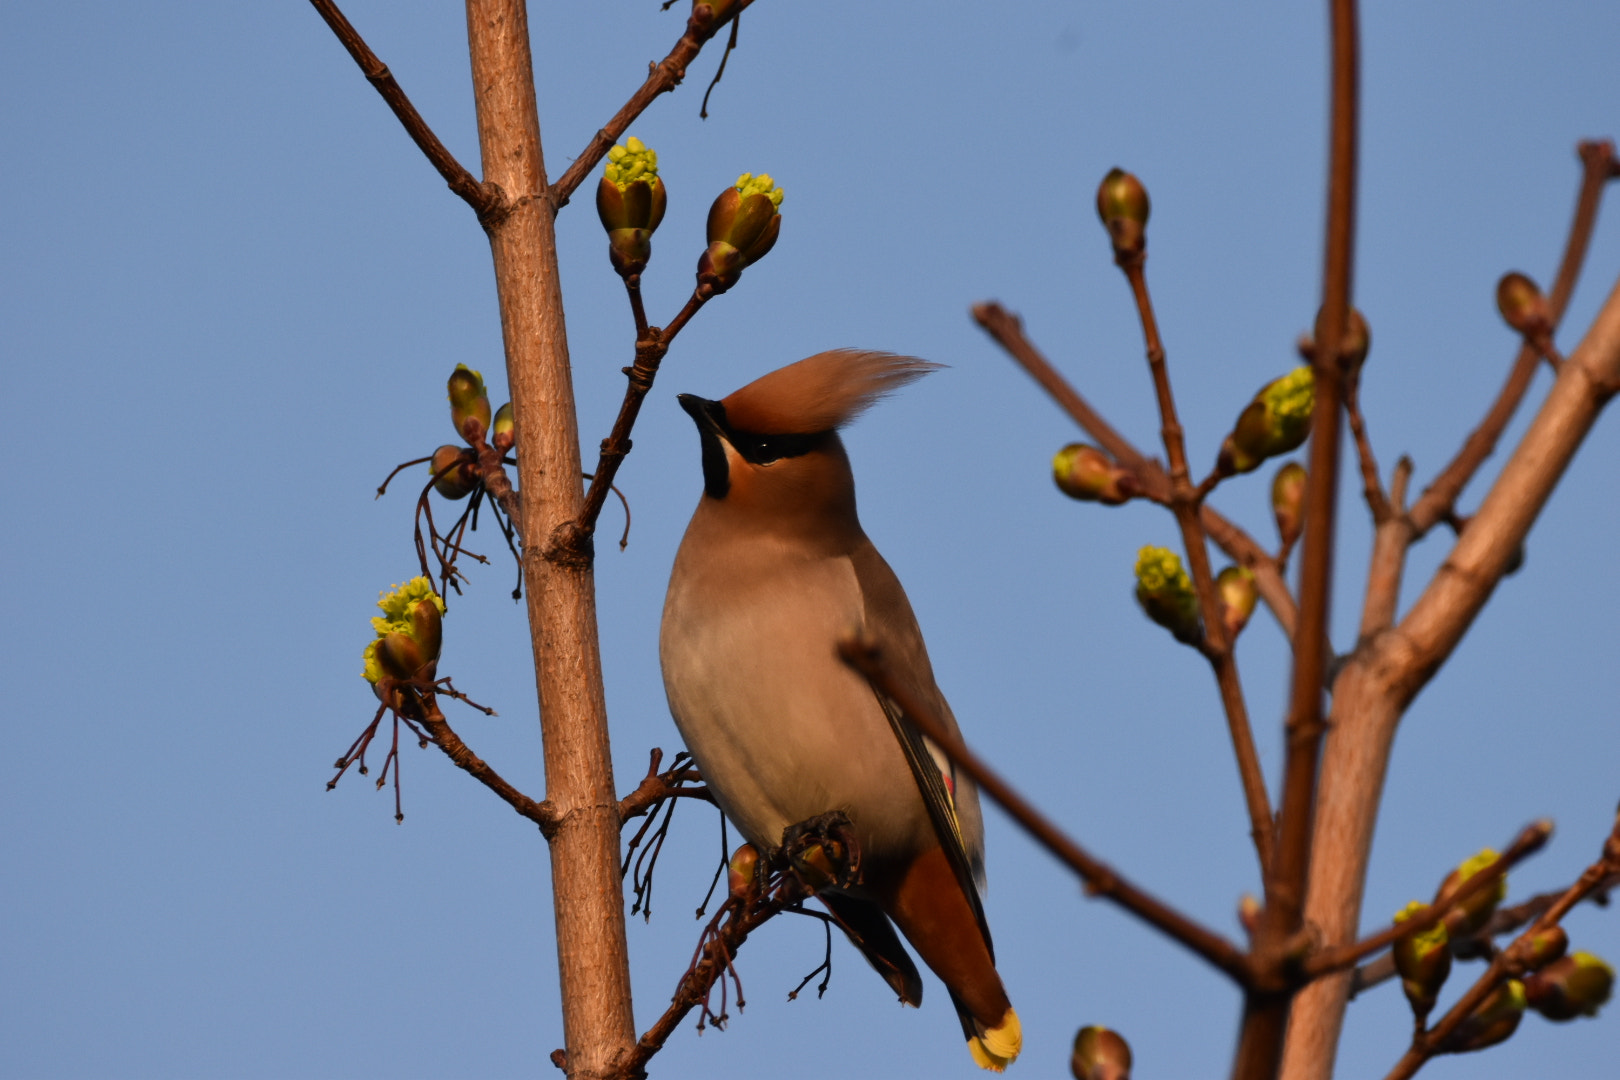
(662, 77)
(657, 786)
(651, 349)
(1008, 332)
(1598, 167)
(486, 200)
(866, 657)
(1372, 487)
(1184, 502)
(457, 751)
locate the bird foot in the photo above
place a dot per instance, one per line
(823, 851)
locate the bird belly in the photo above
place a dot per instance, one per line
(781, 730)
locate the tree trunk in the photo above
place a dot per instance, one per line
(592, 959)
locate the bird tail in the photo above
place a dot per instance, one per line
(993, 1048)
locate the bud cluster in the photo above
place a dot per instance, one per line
(409, 634)
(630, 200)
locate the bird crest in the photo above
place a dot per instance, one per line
(821, 393)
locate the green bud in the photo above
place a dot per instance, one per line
(457, 472)
(1496, 1018)
(469, 403)
(503, 430)
(743, 225)
(1577, 985)
(1166, 594)
(741, 869)
(1423, 960)
(1100, 1054)
(1086, 473)
(1470, 917)
(1123, 206)
(1288, 501)
(1238, 598)
(1522, 305)
(1275, 422)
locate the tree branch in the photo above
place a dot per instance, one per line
(1598, 165)
(650, 352)
(1260, 1044)
(486, 200)
(662, 77)
(1007, 331)
(866, 656)
(432, 719)
(1184, 502)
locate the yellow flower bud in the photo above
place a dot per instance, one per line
(1522, 306)
(1577, 985)
(1496, 1018)
(1166, 594)
(1086, 473)
(1123, 206)
(1423, 960)
(1470, 916)
(1288, 501)
(1275, 422)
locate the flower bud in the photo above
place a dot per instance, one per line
(743, 225)
(741, 870)
(456, 472)
(1238, 597)
(1165, 593)
(630, 200)
(1275, 422)
(1470, 916)
(409, 633)
(1522, 305)
(1100, 1054)
(1288, 501)
(1086, 473)
(1123, 206)
(1496, 1018)
(1423, 960)
(1577, 985)
(1353, 348)
(503, 429)
(1544, 946)
(469, 403)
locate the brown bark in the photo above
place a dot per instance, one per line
(592, 961)
(1376, 686)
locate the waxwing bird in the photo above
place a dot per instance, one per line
(773, 568)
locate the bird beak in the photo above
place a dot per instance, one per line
(710, 417)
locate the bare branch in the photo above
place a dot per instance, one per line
(432, 719)
(662, 77)
(486, 200)
(1260, 1044)
(866, 657)
(1184, 502)
(1598, 167)
(1005, 328)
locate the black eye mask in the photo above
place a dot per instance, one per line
(754, 448)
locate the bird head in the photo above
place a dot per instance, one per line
(772, 447)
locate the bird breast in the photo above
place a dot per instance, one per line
(781, 730)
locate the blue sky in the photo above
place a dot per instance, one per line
(228, 273)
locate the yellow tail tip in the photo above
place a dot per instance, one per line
(996, 1048)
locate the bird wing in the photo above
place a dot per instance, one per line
(891, 620)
